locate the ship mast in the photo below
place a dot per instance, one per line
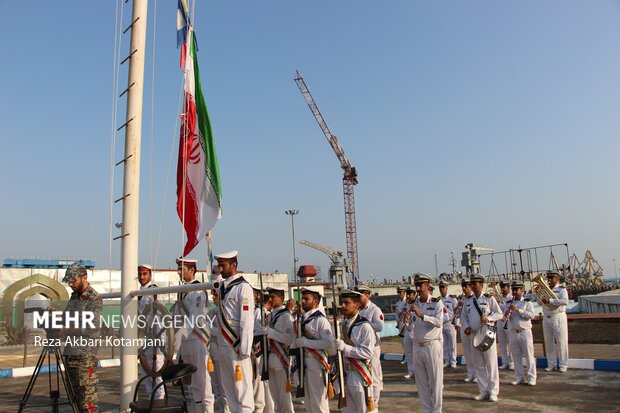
(131, 196)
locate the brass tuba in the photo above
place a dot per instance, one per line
(494, 291)
(542, 290)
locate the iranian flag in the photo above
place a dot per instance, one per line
(199, 196)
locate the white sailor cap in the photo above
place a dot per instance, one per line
(313, 290)
(421, 278)
(227, 255)
(274, 290)
(350, 294)
(363, 288)
(148, 267)
(477, 277)
(186, 261)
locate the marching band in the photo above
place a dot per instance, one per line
(259, 345)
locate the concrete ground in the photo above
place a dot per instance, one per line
(574, 391)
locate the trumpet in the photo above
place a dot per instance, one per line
(542, 291)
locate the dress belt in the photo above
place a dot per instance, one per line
(425, 343)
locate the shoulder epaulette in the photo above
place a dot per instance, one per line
(486, 295)
(527, 299)
(434, 299)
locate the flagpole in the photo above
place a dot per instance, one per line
(131, 200)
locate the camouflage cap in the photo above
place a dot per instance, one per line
(74, 271)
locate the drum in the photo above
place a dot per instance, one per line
(484, 338)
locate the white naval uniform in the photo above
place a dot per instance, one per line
(408, 344)
(467, 341)
(485, 362)
(281, 335)
(522, 341)
(155, 358)
(449, 330)
(363, 337)
(398, 308)
(221, 404)
(555, 328)
(194, 349)
(503, 336)
(374, 315)
(317, 336)
(263, 403)
(427, 354)
(237, 306)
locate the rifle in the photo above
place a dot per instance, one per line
(300, 388)
(342, 398)
(265, 373)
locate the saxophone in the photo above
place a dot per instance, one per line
(542, 290)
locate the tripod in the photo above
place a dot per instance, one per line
(50, 351)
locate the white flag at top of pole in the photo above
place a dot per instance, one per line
(199, 197)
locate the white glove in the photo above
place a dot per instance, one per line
(340, 345)
(262, 330)
(244, 356)
(300, 342)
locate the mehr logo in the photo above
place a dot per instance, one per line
(63, 319)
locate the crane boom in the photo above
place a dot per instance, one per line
(349, 180)
(333, 255)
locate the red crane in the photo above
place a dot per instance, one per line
(348, 180)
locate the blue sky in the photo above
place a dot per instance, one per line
(486, 122)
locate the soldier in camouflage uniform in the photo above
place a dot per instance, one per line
(80, 361)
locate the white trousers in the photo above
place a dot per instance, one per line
(408, 347)
(522, 347)
(220, 403)
(449, 343)
(555, 329)
(263, 403)
(487, 373)
(467, 349)
(155, 364)
(377, 376)
(193, 351)
(240, 394)
(278, 377)
(315, 395)
(356, 397)
(429, 375)
(503, 339)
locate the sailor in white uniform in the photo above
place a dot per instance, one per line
(263, 403)
(408, 332)
(481, 309)
(280, 335)
(520, 313)
(398, 310)
(154, 357)
(317, 339)
(427, 354)
(236, 320)
(466, 340)
(357, 345)
(449, 329)
(193, 338)
(221, 404)
(374, 315)
(503, 336)
(555, 325)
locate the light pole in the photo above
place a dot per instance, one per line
(292, 213)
